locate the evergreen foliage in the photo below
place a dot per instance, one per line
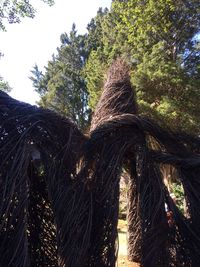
(4, 85)
(161, 42)
(66, 86)
(62, 87)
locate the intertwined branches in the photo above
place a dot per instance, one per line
(59, 192)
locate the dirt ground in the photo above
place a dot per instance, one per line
(122, 255)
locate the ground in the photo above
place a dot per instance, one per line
(122, 255)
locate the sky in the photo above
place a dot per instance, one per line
(34, 41)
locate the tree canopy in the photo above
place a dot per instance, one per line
(12, 11)
(4, 85)
(160, 41)
(62, 87)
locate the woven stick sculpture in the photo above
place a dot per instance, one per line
(118, 98)
(59, 190)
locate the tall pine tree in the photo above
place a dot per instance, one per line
(160, 40)
(62, 87)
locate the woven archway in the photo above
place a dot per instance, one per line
(59, 190)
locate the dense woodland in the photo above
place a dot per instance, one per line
(160, 41)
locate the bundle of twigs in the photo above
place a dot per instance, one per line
(59, 192)
(39, 151)
(118, 98)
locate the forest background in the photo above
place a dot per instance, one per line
(158, 38)
(160, 41)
